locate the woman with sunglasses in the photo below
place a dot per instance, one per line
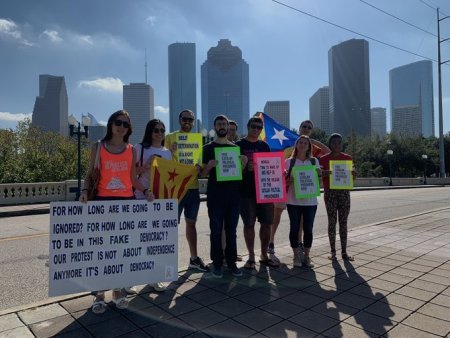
(301, 208)
(152, 145)
(117, 179)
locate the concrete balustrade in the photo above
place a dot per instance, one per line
(44, 192)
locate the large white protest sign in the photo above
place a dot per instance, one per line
(110, 244)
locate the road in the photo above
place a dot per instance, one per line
(24, 240)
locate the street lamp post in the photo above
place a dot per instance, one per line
(75, 129)
(441, 123)
(204, 135)
(424, 157)
(212, 133)
(390, 152)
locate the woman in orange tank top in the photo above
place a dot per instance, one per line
(117, 179)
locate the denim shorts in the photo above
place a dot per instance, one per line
(250, 211)
(190, 204)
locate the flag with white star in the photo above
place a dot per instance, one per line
(277, 136)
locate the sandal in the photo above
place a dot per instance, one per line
(346, 257)
(98, 307)
(249, 265)
(332, 257)
(120, 303)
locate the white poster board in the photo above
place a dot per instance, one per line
(102, 245)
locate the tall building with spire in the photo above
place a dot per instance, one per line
(411, 98)
(138, 100)
(349, 86)
(225, 85)
(182, 81)
(50, 111)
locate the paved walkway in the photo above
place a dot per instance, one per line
(398, 286)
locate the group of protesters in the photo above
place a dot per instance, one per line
(124, 174)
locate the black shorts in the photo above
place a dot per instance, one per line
(250, 211)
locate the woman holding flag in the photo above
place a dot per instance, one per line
(152, 145)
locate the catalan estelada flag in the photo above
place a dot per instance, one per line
(277, 136)
(170, 179)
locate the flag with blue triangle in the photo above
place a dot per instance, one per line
(277, 136)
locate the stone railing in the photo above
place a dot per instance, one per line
(44, 192)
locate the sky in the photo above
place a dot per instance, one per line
(99, 45)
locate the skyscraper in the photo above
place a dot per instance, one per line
(378, 121)
(139, 102)
(51, 106)
(411, 98)
(319, 109)
(279, 111)
(348, 68)
(182, 81)
(225, 85)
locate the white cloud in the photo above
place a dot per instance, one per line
(52, 36)
(161, 109)
(9, 28)
(11, 117)
(109, 84)
(150, 19)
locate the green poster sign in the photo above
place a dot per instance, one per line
(306, 181)
(229, 166)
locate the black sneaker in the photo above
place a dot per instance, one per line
(198, 264)
(235, 271)
(216, 272)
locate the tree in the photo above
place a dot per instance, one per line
(33, 155)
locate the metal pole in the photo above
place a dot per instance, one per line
(390, 172)
(79, 161)
(441, 126)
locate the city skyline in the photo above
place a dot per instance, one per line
(106, 50)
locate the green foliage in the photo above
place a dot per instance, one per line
(29, 154)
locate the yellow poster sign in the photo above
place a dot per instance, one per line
(189, 148)
(341, 175)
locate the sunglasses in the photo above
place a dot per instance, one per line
(157, 130)
(187, 119)
(307, 127)
(254, 126)
(123, 123)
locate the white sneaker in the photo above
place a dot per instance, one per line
(307, 262)
(131, 290)
(297, 262)
(274, 258)
(159, 287)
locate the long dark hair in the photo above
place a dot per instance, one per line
(308, 152)
(147, 139)
(111, 120)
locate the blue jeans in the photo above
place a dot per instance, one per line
(295, 214)
(223, 213)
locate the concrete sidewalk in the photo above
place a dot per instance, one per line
(398, 286)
